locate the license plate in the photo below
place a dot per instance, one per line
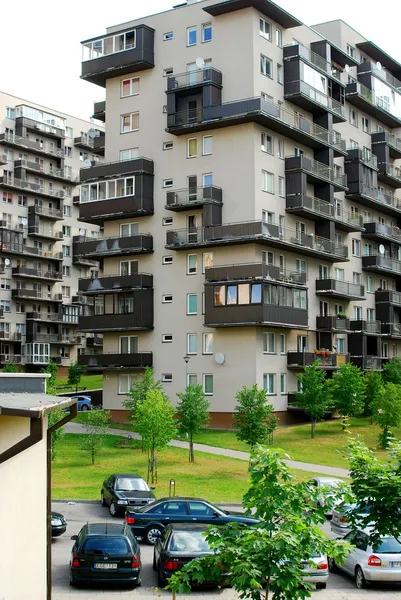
(395, 564)
(106, 566)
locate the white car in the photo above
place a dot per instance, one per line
(317, 571)
(369, 565)
(326, 486)
(340, 523)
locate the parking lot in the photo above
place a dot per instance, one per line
(339, 586)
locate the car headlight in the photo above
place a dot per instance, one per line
(56, 522)
(122, 501)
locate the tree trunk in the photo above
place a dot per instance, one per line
(152, 463)
(312, 429)
(191, 450)
(344, 426)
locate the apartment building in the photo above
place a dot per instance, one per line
(41, 152)
(248, 200)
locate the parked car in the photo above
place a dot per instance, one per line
(148, 522)
(83, 402)
(367, 564)
(340, 523)
(177, 545)
(122, 490)
(58, 523)
(326, 486)
(317, 570)
(105, 552)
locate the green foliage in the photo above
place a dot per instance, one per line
(139, 391)
(75, 372)
(192, 414)
(374, 385)
(57, 435)
(253, 417)
(52, 369)
(10, 368)
(347, 391)
(314, 399)
(95, 432)
(392, 371)
(386, 410)
(266, 558)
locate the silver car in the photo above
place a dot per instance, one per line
(317, 571)
(366, 564)
(326, 485)
(340, 523)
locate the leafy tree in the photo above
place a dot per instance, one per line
(75, 372)
(392, 371)
(374, 385)
(155, 423)
(386, 410)
(314, 399)
(10, 368)
(266, 558)
(95, 427)
(57, 435)
(52, 369)
(192, 414)
(347, 391)
(253, 416)
(139, 390)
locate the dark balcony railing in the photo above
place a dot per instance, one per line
(391, 330)
(380, 230)
(391, 140)
(388, 296)
(37, 273)
(32, 145)
(300, 51)
(301, 204)
(45, 232)
(96, 340)
(374, 198)
(255, 271)
(191, 197)
(34, 188)
(115, 283)
(373, 327)
(11, 357)
(317, 170)
(377, 106)
(257, 314)
(310, 95)
(332, 323)
(362, 155)
(113, 246)
(36, 295)
(305, 359)
(46, 317)
(139, 320)
(116, 208)
(40, 169)
(99, 110)
(115, 169)
(134, 360)
(368, 66)
(206, 76)
(341, 289)
(48, 213)
(389, 174)
(367, 362)
(381, 263)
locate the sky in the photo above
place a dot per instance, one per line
(41, 50)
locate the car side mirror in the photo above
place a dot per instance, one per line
(74, 537)
(216, 514)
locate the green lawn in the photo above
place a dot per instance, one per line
(90, 382)
(216, 478)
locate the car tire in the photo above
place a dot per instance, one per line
(360, 580)
(332, 565)
(85, 407)
(321, 586)
(102, 500)
(154, 562)
(150, 536)
(72, 582)
(113, 510)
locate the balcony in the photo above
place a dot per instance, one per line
(11, 358)
(316, 209)
(26, 272)
(387, 139)
(316, 172)
(42, 148)
(373, 198)
(339, 289)
(380, 231)
(24, 293)
(44, 171)
(82, 261)
(194, 79)
(256, 232)
(115, 283)
(122, 53)
(388, 296)
(300, 360)
(294, 51)
(10, 246)
(142, 320)
(94, 144)
(190, 198)
(113, 246)
(376, 106)
(371, 327)
(369, 67)
(332, 323)
(256, 110)
(47, 233)
(46, 213)
(35, 189)
(255, 272)
(42, 338)
(95, 341)
(310, 99)
(366, 363)
(3, 159)
(391, 330)
(363, 156)
(256, 315)
(24, 122)
(381, 264)
(389, 174)
(114, 360)
(45, 317)
(99, 111)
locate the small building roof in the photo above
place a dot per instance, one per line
(34, 406)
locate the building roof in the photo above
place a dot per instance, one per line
(266, 7)
(34, 406)
(380, 55)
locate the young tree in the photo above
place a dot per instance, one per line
(392, 371)
(95, 432)
(192, 414)
(386, 410)
(139, 390)
(253, 416)
(57, 435)
(75, 372)
(155, 422)
(265, 559)
(314, 399)
(10, 368)
(52, 369)
(374, 385)
(347, 391)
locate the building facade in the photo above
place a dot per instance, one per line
(41, 152)
(248, 200)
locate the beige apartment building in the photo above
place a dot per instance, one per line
(248, 202)
(41, 152)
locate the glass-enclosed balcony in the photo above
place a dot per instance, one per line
(379, 102)
(311, 57)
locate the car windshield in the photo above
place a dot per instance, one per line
(388, 546)
(188, 541)
(130, 484)
(361, 509)
(106, 545)
(330, 483)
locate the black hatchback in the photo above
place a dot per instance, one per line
(105, 552)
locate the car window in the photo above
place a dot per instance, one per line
(157, 508)
(350, 537)
(388, 546)
(361, 541)
(174, 508)
(117, 546)
(188, 541)
(130, 484)
(200, 509)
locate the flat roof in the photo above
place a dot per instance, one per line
(266, 7)
(380, 55)
(34, 406)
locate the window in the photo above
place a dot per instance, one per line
(350, 51)
(7, 196)
(266, 66)
(265, 29)
(208, 384)
(10, 112)
(340, 345)
(168, 36)
(279, 38)
(67, 151)
(192, 264)
(192, 304)
(269, 383)
(301, 265)
(283, 383)
(22, 201)
(168, 71)
(192, 379)
(267, 182)
(191, 36)
(382, 284)
(66, 290)
(129, 87)
(192, 147)
(19, 308)
(168, 145)
(129, 154)
(168, 183)
(365, 124)
(128, 344)
(129, 122)
(269, 343)
(283, 343)
(66, 271)
(67, 210)
(266, 142)
(370, 314)
(192, 343)
(353, 117)
(206, 32)
(356, 247)
(356, 278)
(167, 377)
(281, 187)
(6, 305)
(207, 343)
(353, 144)
(358, 313)
(370, 284)
(109, 45)
(125, 383)
(69, 132)
(207, 145)
(167, 260)
(167, 338)
(280, 74)
(67, 230)
(5, 284)
(66, 251)
(298, 151)
(281, 148)
(167, 221)
(167, 299)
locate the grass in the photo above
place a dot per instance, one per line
(217, 478)
(90, 382)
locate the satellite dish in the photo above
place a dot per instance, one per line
(200, 63)
(82, 232)
(7, 262)
(346, 68)
(87, 164)
(379, 66)
(382, 249)
(219, 358)
(92, 133)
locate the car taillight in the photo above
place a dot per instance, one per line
(170, 565)
(129, 520)
(221, 566)
(135, 562)
(374, 561)
(343, 520)
(322, 565)
(75, 561)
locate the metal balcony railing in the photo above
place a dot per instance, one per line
(33, 187)
(384, 230)
(379, 196)
(316, 96)
(390, 169)
(324, 208)
(46, 170)
(196, 195)
(316, 168)
(44, 147)
(203, 76)
(312, 57)
(51, 213)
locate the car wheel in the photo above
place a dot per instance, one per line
(85, 407)
(154, 562)
(73, 583)
(152, 534)
(360, 578)
(102, 500)
(332, 565)
(113, 510)
(321, 586)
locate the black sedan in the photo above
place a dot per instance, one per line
(58, 523)
(122, 490)
(148, 522)
(178, 545)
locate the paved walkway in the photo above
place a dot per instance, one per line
(294, 464)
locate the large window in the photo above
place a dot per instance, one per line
(208, 384)
(207, 343)
(109, 45)
(129, 87)
(266, 66)
(192, 304)
(267, 182)
(269, 383)
(313, 78)
(265, 29)
(107, 190)
(242, 293)
(129, 122)
(125, 383)
(129, 154)
(38, 353)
